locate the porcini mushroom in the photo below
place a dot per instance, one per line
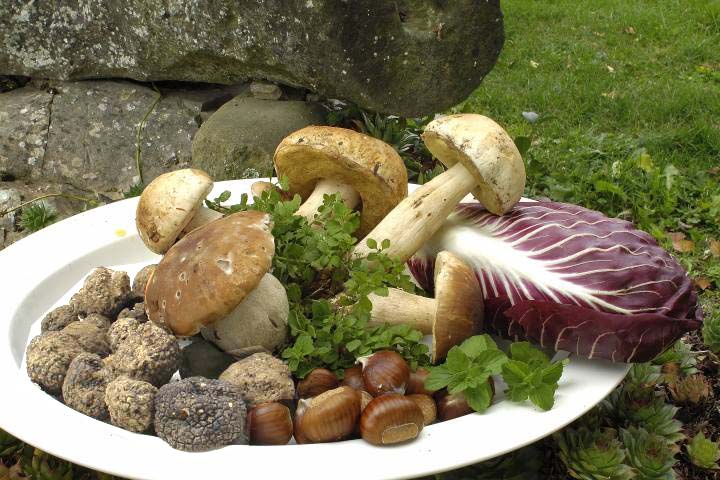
(483, 159)
(211, 272)
(361, 169)
(455, 313)
(172, 205)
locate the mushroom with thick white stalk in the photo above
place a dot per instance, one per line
(171, 206)
(483, 160)
(215, 278)
(455, 314)
(363, 170)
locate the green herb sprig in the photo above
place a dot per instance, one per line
(530, 374)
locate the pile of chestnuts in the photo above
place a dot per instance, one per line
(379, 400)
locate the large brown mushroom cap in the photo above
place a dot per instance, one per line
(372, 167)
(168, 204)
(459, 307)
(205, 275)
(486, 150)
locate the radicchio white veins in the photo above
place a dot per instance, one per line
(569, 278)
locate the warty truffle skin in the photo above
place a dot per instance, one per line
(198, 414)
(104, 291)
(143, 351)
(131, 404)
(48, 357)
(141, 278)
(58, 318)
(261, 378)
(84, 386)
(91, 333)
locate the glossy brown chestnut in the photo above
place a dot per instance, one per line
(385, 372)
(452, 406)
(427, 406)
(389, 419)
(416, 382)
(317, 381)
(329, 417)
(270, 424)
(353, 378)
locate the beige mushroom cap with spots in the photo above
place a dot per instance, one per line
(205, 275)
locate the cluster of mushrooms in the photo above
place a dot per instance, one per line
(112, 352)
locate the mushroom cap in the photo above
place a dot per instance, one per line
(372, 167)
(459, 304)
(168, 204)
(205, 275)
(261, 378)
(486, 150)
(261, 320)
(198, 414)
(130, 403)
(84, 386)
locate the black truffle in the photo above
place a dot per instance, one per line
(48, 357)
(198, 414)
(84, 386)
(131, 404)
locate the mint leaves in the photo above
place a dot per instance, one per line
(528, 373)
(467, 369)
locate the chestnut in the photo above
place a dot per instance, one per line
(451, 406)
(329, 417)
(317, 381)
(427, 406)
(385, 372)
(416, 382)
(365, 399)
(270, 424)
(353, 377)
(391, 418)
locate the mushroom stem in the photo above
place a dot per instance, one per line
(204, 215)
(414, 220)
(402, 308)
(257, 188)
(327, 187)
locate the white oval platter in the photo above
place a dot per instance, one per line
(44, 269)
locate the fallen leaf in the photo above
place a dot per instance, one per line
(714, 170)
(670, 173)
(703, 283)
(630, 30)
(714, 247)
(534, 64)
(645, 162)
(610, 69)
(680, 243)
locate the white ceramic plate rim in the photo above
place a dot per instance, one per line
(69, 249)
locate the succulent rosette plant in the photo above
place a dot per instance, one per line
(569, 278)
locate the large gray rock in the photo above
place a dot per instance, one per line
(407, 57)
(238, 141)
(24, 122)
(85, 133)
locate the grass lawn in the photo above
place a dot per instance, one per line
(628, 98)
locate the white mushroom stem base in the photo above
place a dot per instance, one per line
(414, 220)
(402, 308)
(312, 204)
(202, 216)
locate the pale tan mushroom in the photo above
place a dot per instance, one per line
(455, 314)
(483, 160)
(326, 160)
(209, 273)
(172, 205)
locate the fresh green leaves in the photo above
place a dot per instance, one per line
(530, 374)
(703, 452)
(37, 216)
(468, 367)
(467, 370)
